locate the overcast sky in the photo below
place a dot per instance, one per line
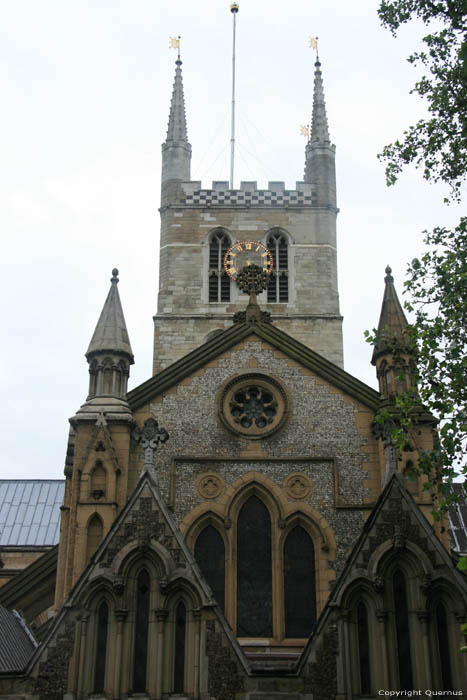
(85, 90)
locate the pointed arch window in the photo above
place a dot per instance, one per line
(254, 570)
(363, 648)
(401, 613)
(101, 647)
(219, 281)
(443, 646)
(210, 555)
(94, 535)
(98, 481)
(141, 632)
(299, 583)
(278, 288)
(180, 644)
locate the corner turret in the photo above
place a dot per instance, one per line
(391, 352)
(320, 153)
(109, 356)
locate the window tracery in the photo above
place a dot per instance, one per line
(278, 288)
(218, 280)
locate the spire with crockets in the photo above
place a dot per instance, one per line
(176, 151)
(320, 169)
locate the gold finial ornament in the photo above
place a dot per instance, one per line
(304, 130)
(313, 43)
(234, 7)
(174, 43)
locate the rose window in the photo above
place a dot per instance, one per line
(253, 405)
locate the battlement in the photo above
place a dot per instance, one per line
(248, 195)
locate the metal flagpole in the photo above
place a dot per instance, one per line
(234, 10)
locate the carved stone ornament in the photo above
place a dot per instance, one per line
(253, 405)
(119, 585)
(149, 438)
(378, 584)
(297, 486)
(209, 485)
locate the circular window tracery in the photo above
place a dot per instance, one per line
(253, 405)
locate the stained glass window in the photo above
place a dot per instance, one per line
(180, 636)
(254, 570)
(401, 613)
(210, 555)
(141, 632)
(299, 583)
(101, 647)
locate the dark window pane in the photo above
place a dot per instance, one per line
(225, 287)
(254, 570)
(283, 288)
(363, 649)
(402, 631)
(210, 555)
(141, 632)
(283, 261)
(213, 288)
(272, 289)
(214, 254)
(299, 583)
(443, 644)
(101, 647)
(180, 635)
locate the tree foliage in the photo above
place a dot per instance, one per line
(436, 284)
(438, 143)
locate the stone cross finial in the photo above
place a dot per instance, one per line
(149, 438)
(252, 280)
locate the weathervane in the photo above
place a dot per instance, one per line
(313, 44)
(174, 43)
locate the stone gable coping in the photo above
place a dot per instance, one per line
(223, 341)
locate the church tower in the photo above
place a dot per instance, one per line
(196, 296)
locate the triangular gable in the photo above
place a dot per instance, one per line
(397, 518)
(144, 520)
(100, 434)
(237, 333)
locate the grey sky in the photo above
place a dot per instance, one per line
(85, 98)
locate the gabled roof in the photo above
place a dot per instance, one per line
(30, 512)
(16, 642)
(238, 332)
(423, 531)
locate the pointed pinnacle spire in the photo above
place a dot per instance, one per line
(392, 326)
(176, 130)
(111, 334)
(319, 121)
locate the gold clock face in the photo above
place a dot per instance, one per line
(246, 253)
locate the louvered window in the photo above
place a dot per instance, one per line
(219, 281)
(278, 289)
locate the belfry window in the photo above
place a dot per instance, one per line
(219, 281)
(278, 288)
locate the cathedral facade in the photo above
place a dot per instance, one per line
(238, 527)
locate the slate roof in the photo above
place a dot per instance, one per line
(30, 511)
(16, 642)
(458, 519)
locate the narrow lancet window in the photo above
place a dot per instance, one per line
(278, 289)
(141, 632)
(180, 644)
(254, 570)
(401, 613)
(363, 648)
(210, 555)
(95, 534)
(101, 647)
(443, 646)
(299, 583)
(219, 281)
